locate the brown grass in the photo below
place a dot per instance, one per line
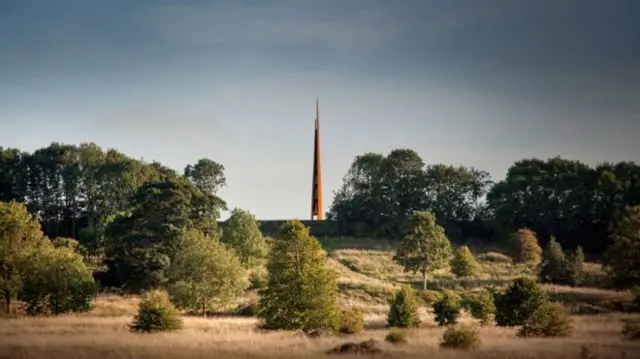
(75, 337)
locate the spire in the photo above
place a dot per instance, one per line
(316, 186)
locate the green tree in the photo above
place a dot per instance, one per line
(621, 260)
(575, 266)
(403, 309)
(482, 306)
(553, 268)
(156, 313)
(142, 244)
(549, 320)
(242, 233)
(463, 263)
(205, 273)
(518, 302)
(447, 309)
(526, 247)
(425, 246)
(58, 281)
(20, 241)
(207, 175)
(301, 291)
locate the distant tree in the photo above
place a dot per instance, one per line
(482, 306)
(20, 241)
(549, 320)
(142, 243)
(553, 268)
(403, 309)
(518, 302)
(301, 291)
(205, 273)
(58, 281)
(242, 233)
(621, 259)
(463, 263)
(447, 309)
(425, 246)
(207, 175)
(575, 266)
(527, 249)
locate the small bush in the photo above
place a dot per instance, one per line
(351, 321)
(482, 306)
(549, 320)
(396, 337)
(495, 257)
(526, 247)
(403, 310)
(365, 347)
(447, 309)
(516, 305)
(156, 313)
(460, 337)
(430, 296)
(631, 330)
(463, 263)
(249, 309)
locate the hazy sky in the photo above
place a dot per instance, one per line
(479, 83)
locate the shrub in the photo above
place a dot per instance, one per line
(460, 337)
(549, 320)
(526, 247)
(365, 347)
(463, 263)
(575, 267)
(516, 305)
(403, 311)
(554, 267)
(482, 306)
(447, 309)
(430, 296)
(396, 337)
(351, 321)
(301, 291)
(248, 309)
(495, 257)
(156, 313)
(631, 330)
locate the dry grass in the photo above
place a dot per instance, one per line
(75, 337)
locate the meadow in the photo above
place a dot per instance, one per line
(368, 277)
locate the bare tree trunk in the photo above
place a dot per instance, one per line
(204, 309)
(424, 280)
(7, 301)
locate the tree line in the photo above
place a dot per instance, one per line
(561, 198)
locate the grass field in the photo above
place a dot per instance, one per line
(368, 277)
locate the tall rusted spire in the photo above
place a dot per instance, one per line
(316, 187)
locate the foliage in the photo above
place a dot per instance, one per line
(430, 296)
(351, 321)
(621, 259)
(156, 313)
(257, 279)
(141, 245)
(403, 310)
(205, 273)
(549, 320)
(242, 233)
(518, 302)
(58, 282)
(301, 290)
(526, 247)
(463, 337)
(482, 306)
(206, 175)
(553, 268)
(561, 269)
(463, 263)
(447, 309)
(396, 337)
(425, 246)
(20, 243)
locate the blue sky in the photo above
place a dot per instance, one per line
(478, 83)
